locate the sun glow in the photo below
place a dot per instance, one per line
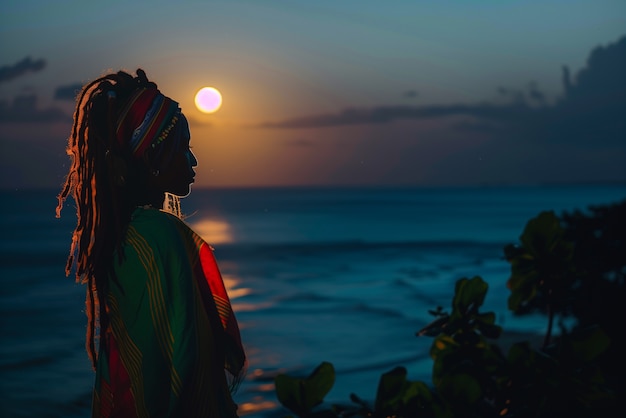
(208, 99)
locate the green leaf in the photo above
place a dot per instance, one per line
(461, 388)
(417, 390)
(318, 384)
(390, 389)
(289, 393)
(435, 328)
(469, 293)
(395, 393)
(541, 233)
(591, 344)
(302, 395)
(442, 343)
(490, 330)
(523, 290)
(487, 318)
(355, 398)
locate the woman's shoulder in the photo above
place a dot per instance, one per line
(161, 225)
(158, 224)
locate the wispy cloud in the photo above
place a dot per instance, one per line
(67, 92)
(26, 65)
(591, 110)
(24, 109)
(387, 114)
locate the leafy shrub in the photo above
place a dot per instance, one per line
(568, 267)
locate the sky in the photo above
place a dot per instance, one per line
(333, 93)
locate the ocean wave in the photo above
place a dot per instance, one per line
(273, 251)
(27, 363)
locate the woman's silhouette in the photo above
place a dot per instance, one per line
(160, 330)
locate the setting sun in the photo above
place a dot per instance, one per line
(208, 99)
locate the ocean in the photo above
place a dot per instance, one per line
(344, 275)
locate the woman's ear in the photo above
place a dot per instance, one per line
(150, 167)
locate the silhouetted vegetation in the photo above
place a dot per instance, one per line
(570, 268)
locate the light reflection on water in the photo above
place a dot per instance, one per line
(259, 405)
(231, 283)
(214, 231)
(234, 292)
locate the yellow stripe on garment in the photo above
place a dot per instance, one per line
(155, 291)
(131, 358)
(194, 252)
(158, 311)
(198, 241)
(203, 375)
(96, 405)
(223, 309)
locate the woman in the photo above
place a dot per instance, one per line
(161, 330)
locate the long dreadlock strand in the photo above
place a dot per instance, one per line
(96, 182)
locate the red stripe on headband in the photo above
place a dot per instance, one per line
(134, 114)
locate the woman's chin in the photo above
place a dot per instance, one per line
(186, 192)
(182, 191)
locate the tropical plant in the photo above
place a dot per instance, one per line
(569, 267)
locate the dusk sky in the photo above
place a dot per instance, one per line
(426, 93)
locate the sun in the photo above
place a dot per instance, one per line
(208, 99)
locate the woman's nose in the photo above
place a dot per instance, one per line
(192, 159)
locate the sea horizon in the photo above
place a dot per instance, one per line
(391, 186)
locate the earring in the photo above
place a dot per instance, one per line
(155, 172)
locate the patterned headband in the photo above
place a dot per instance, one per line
(146, 120)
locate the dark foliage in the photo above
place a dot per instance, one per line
(571, 268)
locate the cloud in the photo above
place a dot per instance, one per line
(591, 110)
(67, 92)
(10, 72)
(387, 114)
(24, 109)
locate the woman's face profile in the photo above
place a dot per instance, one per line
(177, 176)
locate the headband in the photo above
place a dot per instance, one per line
(146, 120)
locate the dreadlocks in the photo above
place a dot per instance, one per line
(101, 181)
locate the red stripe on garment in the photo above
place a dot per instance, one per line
(216, 284)
(124, 405)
